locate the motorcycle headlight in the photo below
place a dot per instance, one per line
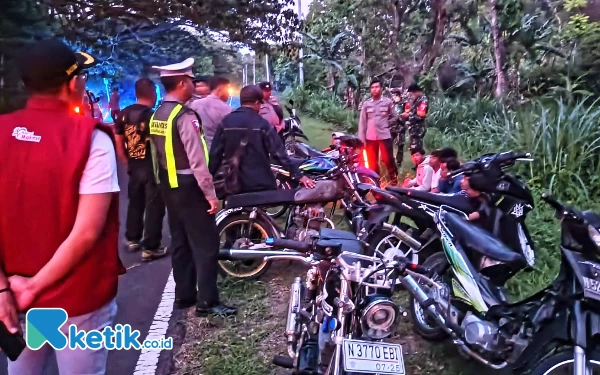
(594, 236)
(378, 319)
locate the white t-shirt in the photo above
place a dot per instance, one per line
(100, 173)
(435, 179)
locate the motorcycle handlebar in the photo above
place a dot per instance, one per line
(406, 264)
(303, 247)
(500, 159)
(552, 202)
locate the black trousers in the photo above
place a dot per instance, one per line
(194, 241)
(144, 197)
(386, 147)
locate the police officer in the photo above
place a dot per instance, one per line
(415, 112)
(377, 118)
(271, 109)
(180, 160)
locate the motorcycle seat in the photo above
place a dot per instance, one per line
(481, 241)
(260, 198)
(459, 202)
(348, 241)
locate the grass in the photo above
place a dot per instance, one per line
(246, 344)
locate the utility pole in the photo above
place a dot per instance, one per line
(300, 52)
(254, 68)
(267, 67)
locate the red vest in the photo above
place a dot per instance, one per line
(45, 148)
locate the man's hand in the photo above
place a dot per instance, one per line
(307, 182)
(23, 290)
(8, 312)
(214, 206)
(407, 183)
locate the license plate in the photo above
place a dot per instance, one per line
(373, 357)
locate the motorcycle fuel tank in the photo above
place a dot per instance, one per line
(319, 164)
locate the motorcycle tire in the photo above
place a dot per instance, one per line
(423, 329)
(561, 359)
(256, 268)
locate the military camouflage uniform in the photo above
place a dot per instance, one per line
(399, 131)
(415, 122)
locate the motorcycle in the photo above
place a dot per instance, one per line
(552, 332)
(291, 131)
(340, 315)
(305, 218)
(316, 167)
(510, 202)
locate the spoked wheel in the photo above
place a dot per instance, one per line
(562, 363)
(423, 324)
(240, 232)
(388, 244)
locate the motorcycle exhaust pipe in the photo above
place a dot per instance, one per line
(407, 239)
(293, 309)
(235, 254)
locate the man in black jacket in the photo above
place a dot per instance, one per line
(263, 145)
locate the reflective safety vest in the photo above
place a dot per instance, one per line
(174, 153)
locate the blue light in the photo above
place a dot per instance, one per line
(332, 324)
(158, 97)
(269, 241)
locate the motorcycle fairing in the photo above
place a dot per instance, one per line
(587, 271)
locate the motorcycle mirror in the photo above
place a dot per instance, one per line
(291, 102)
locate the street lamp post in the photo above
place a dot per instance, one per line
(300, 52)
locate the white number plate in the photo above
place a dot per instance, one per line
(373, 357)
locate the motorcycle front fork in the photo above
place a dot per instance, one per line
(580, 366)
(336, 363)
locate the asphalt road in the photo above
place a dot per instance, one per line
(140, 292)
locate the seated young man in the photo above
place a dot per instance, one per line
(425, 172)
(448, 185)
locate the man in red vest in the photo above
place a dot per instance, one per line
(59, 197)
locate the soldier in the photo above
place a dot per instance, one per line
(180, 160)
(399, 131)
(377, 118)
(415, 111)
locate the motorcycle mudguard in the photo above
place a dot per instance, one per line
(245, 211)
(376, 215)
(360, 169)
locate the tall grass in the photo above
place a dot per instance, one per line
(325, 106)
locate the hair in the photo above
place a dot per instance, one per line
(417, 150)
(145, 88)
(171, 82)
(115, 89)
(203, 79)
(374, 81)
(452, 164)
(216, 82)
(414, 88)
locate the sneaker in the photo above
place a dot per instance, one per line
(148, 255)
(133, 246)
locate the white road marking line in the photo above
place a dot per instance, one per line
(148, 360)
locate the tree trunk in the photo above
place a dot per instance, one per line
(499, 52)
(440, 19)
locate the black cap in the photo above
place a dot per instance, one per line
(47, 64)
(205, 79)
(414, 88)
(265, 86)
(251, 94)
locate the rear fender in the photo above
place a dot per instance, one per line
(244, 212)
(376, 215)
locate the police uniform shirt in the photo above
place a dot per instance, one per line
(212, 110)
(376, 119)
(188, 128)
(267, 111)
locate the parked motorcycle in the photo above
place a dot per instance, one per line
(243, 221)
(317, 167)
(552, 332)
(340, 315)
(510, 201)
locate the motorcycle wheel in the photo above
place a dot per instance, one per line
(422, 324)
(562, 363)
(368, 180)
(386, 243)
(250, 269)
(278, 211)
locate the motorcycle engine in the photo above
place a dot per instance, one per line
(481, 333)
(309, 219)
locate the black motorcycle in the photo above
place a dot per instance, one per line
(245, 224)
(509, 202)
(556, 331)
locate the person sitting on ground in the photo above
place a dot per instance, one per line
(422, 180)
(435, 162)
(448, 185)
